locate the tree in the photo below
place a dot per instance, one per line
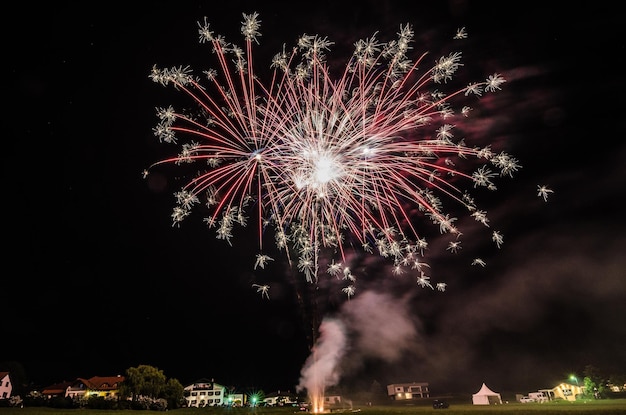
(590, 387)
(595, 383)
(143, 381)
(173, 393)
(147, 384)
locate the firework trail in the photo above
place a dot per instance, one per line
(326, 164)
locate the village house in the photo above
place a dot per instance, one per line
(5, 385)
(204, 392)
(82, 388)
(408, 391)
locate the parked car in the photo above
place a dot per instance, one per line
(526, 399)
(438, 404)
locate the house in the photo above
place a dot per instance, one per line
(5, 385)
(408, 391)
(332, 400)
(57, 389)
(567, 391)
(204, 392)
(564, 390)
(236, 399)
(102, 386)
(280, 399)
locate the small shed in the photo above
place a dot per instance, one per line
(486, 396)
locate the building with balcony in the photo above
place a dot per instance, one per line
(203, 393)
(408, 391)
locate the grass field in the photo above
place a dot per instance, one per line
(601, 407)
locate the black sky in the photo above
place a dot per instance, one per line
(97, 280)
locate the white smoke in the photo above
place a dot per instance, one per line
(371, 325)
(382, 326)
(320, 369)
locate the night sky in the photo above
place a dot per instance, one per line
(98, 280)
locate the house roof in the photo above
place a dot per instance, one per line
(57, 388)
(204, 384)
(104, 382)
(203, 380)
(278, 394)
(3, 375)
(409, 384)
(93, 383)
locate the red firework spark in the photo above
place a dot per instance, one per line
(323, 160)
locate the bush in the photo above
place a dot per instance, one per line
(61, 402)
(100, 402)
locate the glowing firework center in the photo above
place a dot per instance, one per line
(317, 171)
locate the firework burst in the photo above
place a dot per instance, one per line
(322, 163)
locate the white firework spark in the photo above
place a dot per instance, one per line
(543, 191)
(263, 289)
(328, 163)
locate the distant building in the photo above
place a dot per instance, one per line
(408, 391)
(204, 393)
(567, 391)
(100, 386)
(5, 385)
(57, 390)
(564, 390)
(280, 398)
(331, 400)
(617, 387)
(236, 399)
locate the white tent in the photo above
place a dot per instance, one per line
(486, 396)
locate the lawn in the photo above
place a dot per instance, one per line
(601, 407)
